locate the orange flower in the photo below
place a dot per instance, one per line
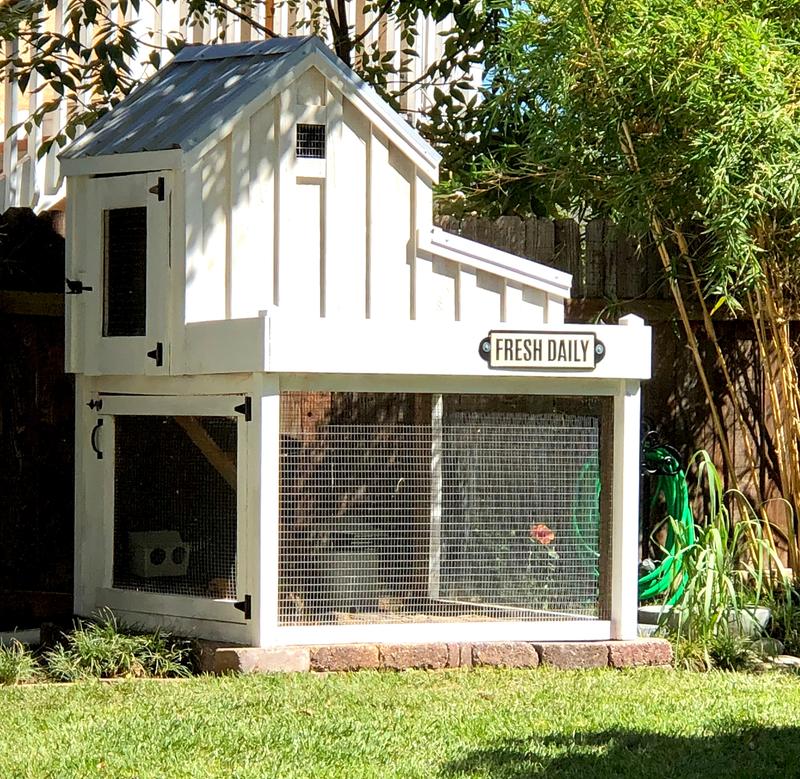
(542, 534)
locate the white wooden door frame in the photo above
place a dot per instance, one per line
(219, 610)
(129, 354)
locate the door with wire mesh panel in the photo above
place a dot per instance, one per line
(405, 508)
(175, 508)
(127, 242)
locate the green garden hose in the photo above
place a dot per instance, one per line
(670, 484)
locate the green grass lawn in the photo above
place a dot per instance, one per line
(499, 724)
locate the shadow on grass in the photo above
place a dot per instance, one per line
(746, 752)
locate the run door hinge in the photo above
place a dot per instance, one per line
(76, 287)
(245, 408)
(158, 188)
(244, 606)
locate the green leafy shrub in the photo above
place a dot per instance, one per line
(101, 648)
(17, 664)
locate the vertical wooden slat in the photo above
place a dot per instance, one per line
(540, 240)
(567, 255)
(596, 286)
(450, 224)
(626, 263)
(435, 532)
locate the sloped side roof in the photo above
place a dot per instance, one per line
(203, 87)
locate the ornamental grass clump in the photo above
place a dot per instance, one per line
(101, 649)
(17, 663)
(730, 572)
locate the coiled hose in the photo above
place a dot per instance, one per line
(670, 484)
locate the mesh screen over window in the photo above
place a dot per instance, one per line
(125, 271)
(406, 508)
(175, 505)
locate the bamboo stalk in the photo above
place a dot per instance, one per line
(722, 362)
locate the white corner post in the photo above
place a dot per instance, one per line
(266, 550)
(435, 553)
(625, 515)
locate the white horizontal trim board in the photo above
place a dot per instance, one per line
(566, 630)
(285, 344)
(224, 346)
(176, 405)
(123, 163)
(169, 605)
(446, 349)
(504, 264)
(210, 630)
(483, 385)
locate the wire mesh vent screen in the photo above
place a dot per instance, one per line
(408, 508)
(175, 505)
(311, 141)
(125, 271)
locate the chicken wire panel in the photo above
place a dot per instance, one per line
(402, 508)
(175, 519)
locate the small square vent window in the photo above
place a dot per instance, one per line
(311, 141)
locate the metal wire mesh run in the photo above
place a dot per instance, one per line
(410, 507)
(175, 505)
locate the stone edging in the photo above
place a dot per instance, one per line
(218, 658)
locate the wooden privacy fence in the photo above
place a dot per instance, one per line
(36, 425)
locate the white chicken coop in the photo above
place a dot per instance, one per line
(307, 416)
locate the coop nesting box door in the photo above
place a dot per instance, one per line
(128, 256)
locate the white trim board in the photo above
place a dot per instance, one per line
(448, 349)
(497, 262)
(139, 162)
(419, 633)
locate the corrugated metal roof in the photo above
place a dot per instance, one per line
(186, 100)
(205, 86)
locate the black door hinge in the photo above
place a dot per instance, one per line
(75, 287)
(157, 354)
(95, 405)
(245, 408)
(158, 188)
(244, 605)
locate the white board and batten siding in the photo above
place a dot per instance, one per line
(346, 238)
(331, 237)
(257, 230)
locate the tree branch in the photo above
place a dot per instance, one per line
(381, 13)
(245, 18)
